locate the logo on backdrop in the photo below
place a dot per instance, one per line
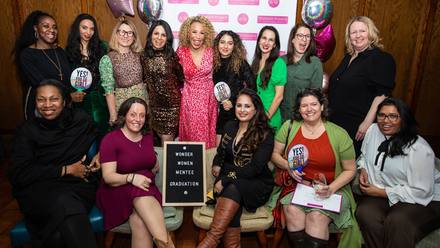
(274, 3)
(244, 2)
(243, 18)
(273, 19)
(182, 17)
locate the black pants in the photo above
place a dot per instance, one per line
(402, 225)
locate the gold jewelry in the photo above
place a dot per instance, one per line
(235, 153)
(59, 66)
(312, 132)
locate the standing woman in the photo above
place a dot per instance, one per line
(38, 58)
(121, 70)
(364, 79)
(198, 112)
(271, 72)
(304, 69)
(85, 49)
(231, 67)
(163, 76)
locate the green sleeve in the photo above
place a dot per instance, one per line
(279, 73)
(106, 71)
(318, 73)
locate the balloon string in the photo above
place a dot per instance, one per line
(122, 17)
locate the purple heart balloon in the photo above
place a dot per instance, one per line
(325, 43)
(121, 7)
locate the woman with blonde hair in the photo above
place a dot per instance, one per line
(364, 79)
(198, 111)
(121, 69)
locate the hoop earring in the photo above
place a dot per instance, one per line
(36, 35)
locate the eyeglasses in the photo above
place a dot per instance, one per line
(391, 117)
(301, 36)
(123, 32)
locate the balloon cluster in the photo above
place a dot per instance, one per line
(317, 14)
(121, 7)
(150, 10)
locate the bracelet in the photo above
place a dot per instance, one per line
(132, 178)
(65, 170)
(126, 178)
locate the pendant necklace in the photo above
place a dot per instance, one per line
(59, 66)
(312, 132)
(139, 143)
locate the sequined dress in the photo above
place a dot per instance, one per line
(163, 77)
(121, 74)
(198, 111)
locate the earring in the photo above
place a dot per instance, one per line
(36, 35)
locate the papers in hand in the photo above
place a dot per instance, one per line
(304, 196)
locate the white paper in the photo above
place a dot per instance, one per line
(304, 196)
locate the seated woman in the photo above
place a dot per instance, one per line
(240, 166)
(399, 179)
(330, 151)
(50, 181)
(127, 190)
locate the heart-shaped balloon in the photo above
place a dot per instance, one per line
(121, 7)
(317, 13)
(325, 43)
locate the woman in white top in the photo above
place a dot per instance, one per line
(400, 181)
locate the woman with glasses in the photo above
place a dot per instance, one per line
(304, 69)
(399, 180)
(364, 79)
(121, 69)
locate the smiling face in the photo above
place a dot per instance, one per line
(49, 102)
(267, 41)
(300, 45)
(244, 108)
(386, 126)
(46, 30)
(158, 38)
(125, 41)
(135, 118)
(310, 109)
(226, 46)
(196, 35)
(359, 36)
(86, 29)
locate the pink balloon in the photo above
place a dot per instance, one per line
(325, 82)
(121, 7)
(325, 43)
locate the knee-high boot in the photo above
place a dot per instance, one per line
(162, 244)
(231, 238)
(223, 214)
(312, 242)
(296, 238)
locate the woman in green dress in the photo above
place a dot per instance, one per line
(271, 72)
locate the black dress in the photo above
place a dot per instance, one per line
(251, 176)
(353, 88)
(36, 67)
(236, 82)
(39, 151)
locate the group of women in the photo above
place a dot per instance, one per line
(136, 90)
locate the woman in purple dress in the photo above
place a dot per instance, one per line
(129, 164)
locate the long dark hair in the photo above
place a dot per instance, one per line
(168, 51)
(407, 135)
(311, 50)
(273, 56)
(27, 36)
(123, 110)
(258, 126)
(95, 47)
(238, 55)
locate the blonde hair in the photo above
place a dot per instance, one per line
(186, 26)
(113, 44)
(372, 31)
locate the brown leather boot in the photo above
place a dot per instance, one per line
(223, 214)
(231, 238)
(162, 244)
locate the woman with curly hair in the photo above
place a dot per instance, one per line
(270, 72)
(38, 58)
(121, 69)
(198, 111)
(164, 76)
(231, 67)
(304, 69)
(240, 167)
(85, 49)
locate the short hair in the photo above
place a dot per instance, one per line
(168, 51)
(238, 54)
(372, 31)
(123, 111)
(113, 44)
(311, 49)
(186, 26)
(311, 91)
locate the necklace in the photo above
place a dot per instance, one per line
(59, 66)
(312, 132)
(235, 153)
(139, 143)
